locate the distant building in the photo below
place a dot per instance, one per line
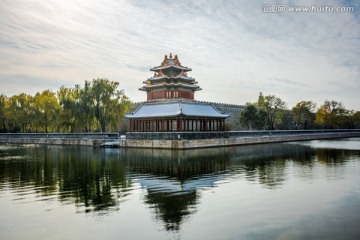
(170, 104)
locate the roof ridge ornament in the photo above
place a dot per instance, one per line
(165, 62)
(176, 61)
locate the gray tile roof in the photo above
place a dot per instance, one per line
(179, 108)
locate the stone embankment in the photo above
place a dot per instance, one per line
(78, 139)
(175, 140)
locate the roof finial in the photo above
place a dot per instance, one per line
(170, 55)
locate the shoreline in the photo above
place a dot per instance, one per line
(174, 140)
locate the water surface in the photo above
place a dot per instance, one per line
(301, 190)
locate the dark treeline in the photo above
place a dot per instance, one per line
(97, 106)
(270, 112)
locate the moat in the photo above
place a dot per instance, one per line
(298, 190)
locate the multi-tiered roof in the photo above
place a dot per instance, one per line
(171, 105)
(170, 80)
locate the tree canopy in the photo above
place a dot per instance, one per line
(332, 114)
(266, 113)
(303, 114)
(97, 106)
(270, 112)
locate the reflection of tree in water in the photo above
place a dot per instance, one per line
(87, 177)
(96, 180)
(332, 157)
(267, 163)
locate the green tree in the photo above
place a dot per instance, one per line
(67, 101)
(84, 107)
(331, 114)
(302, 114)
(3, 102)
(107, 101)
(252, 117)
(121, 106)
(248, 116)
(356, 119)
(20, 113)
(274, 108)
(47, 109)
(99, 105)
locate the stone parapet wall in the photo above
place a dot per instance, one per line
(177, 140)
(237, 139)
(76, 139)
(103, 135)
(231, 134)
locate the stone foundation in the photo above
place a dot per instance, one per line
(176, 140)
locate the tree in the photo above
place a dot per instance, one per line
(107, 101)
(286, 121)
(252, 117)
(331, 114)
(99, 105)
(356, 119)
(47, 109)
(120, 108)
(248, 116)
(20, 113)
(302, 113)
(274, 108)
(3, 101)
(66, 98)
(84, 107)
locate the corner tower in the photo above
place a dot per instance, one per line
(170, 80)
(170, 104)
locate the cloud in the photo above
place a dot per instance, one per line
(234, 49)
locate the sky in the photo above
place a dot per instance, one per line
(235, 48)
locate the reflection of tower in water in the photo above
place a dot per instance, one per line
(172, 178)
